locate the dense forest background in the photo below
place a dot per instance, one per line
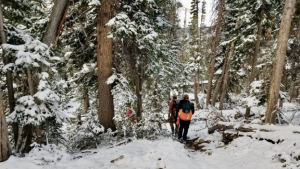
(70, 68)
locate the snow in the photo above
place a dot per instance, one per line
(251, 101)
(163, 153)
(111, 79)
(94, 2)
(166, 152)
(218, 72)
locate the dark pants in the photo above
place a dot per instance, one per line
(172, 122)
(184, 125)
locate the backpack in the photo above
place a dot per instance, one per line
(186, 112)
(186, 107)
(174, 106)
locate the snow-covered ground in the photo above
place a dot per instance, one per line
(166, 152)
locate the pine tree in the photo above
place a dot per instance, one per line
(78, 67)
(146, 58)
(195, 47)
(26, 17)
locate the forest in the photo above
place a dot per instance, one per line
(70, 70)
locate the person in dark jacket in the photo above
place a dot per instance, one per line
(184, 125)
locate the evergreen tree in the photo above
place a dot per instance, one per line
(140, 30)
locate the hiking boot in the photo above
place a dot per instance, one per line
(186, 138)
(180, 140)
(174, 134)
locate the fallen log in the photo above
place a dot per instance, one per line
(119, 158)
(228, 137)
(121, 143)
(223, 127)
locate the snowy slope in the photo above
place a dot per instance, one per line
(243, 153)
(165, 152)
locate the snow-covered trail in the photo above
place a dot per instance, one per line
(163, 153)
(167, 153)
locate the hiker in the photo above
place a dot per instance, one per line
(172, 116)
(130, 113)
(185, 111)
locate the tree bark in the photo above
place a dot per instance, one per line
(279, 60)
(56, 21)
(217, 88)
(198, 37)
(196, 84)
(5, 150)
(24, 139)
(226, 73)
(105, 65)
(218, 85)
(86, 100)
(9, 78)
(30, 82)
(32, 90)
(138, 91)
(214, 50)
(255, 56)
(220, 79)
(226, 76)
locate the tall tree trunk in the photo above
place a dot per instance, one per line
(5, 151)
(219, 81)
(30, 81)
(56, 21)
(86, 100)
(138, 91)
(184, 24)
(86, 104)
(105, 65)
(35, 129)
(255, 56)
(172, 18)
(24, 139)
(226, 76)
(217, 87)
(9, 78)
(284, 82)
(214, 50)
(26, 132)
(280, 55)
(227, 68)
(196, 84)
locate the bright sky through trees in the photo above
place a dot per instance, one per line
(187, 4)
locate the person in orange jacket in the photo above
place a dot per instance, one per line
(185, 111)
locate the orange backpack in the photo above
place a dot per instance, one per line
(185, 116)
